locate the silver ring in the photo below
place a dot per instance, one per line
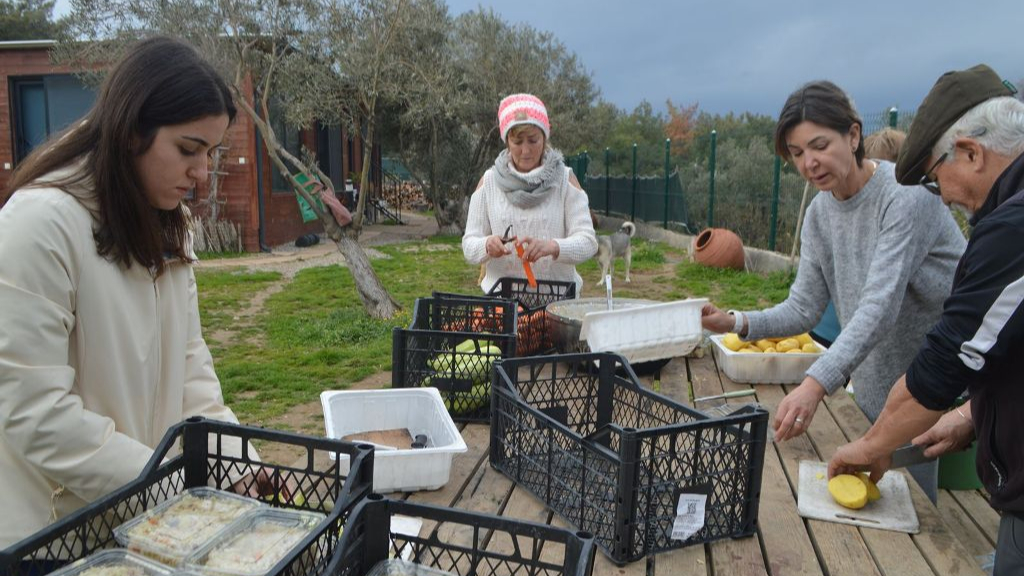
(799, 420)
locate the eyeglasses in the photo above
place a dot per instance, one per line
(928, 181)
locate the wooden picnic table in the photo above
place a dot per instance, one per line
(953, 534)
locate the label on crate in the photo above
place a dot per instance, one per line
(689, 515)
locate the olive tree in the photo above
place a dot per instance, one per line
(258, 46)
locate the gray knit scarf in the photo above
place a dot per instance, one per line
(530, 191)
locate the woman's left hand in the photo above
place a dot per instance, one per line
(795, 412)
(536, 248)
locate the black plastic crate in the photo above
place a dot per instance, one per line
(532, 333)
(462, 376)
(613, 458)
(201, 462)
(460, 542)
(454, 313)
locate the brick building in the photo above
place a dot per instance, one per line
(42, 99)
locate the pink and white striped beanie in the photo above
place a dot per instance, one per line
(522, 109)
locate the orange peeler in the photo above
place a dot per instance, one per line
(508, 237)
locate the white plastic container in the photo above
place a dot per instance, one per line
(113, 562)
(646, 333)
(253, 544)
(749, 368)
(421, 411)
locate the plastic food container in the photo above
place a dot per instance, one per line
(174, 529)
(421, 411)
(115, 562)
(254, 543)
(646, 333)
(399, 567)
(748, 368)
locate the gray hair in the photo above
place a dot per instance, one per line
(997, 124)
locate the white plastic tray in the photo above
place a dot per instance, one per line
(746, 368)
(646, 333)
(421, 410)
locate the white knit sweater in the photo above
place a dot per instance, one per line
(563, 216)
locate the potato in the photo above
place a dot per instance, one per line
(732, 342)
(787, 345)
(848, 491)
(811, 348)
(804, 339)
(873, 493)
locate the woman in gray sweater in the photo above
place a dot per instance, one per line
(883, 253)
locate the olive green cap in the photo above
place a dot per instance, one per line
(952, 96)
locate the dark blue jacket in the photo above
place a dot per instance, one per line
(978, 343)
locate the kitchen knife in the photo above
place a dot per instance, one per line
(908, 456)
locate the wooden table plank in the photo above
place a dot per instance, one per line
(783, 531)
(477, 438)
(974, 539)
(839, 547)
(978, 508)
(743, 555)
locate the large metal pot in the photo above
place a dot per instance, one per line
(565, 318)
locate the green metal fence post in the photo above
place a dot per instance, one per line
(632, 209)
(711, 185)
(668, 148)
(607, 183)
(893, 117)
(776, 177)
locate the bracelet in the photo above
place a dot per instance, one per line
(962, 414)
(739, 324)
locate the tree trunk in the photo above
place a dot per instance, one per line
(377, 302)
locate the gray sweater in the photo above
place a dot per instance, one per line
(886, 258)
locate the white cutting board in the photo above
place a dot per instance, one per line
(893, 511)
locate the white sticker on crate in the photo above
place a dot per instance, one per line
(689, 515)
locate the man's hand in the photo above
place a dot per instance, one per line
(856, 457)
(495, 247)
(796, 410)
(952, 433)
(536, 248)
(713, 319)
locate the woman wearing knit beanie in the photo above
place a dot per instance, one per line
(531, 189)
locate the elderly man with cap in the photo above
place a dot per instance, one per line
(967, 144)
(531, 197)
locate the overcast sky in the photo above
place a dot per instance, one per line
(748, 55)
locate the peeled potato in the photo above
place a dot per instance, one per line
(770, 350)
(795, 351)
(750, 350)
(811, 348)
(804, 339)
(873, 493)
(764, 344)
(848, 491)
(732, 342)
(787, 345)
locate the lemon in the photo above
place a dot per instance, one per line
(804, 339)
(787, 345)
(811, 348)
(732, 342)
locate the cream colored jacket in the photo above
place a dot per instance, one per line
(96, 362)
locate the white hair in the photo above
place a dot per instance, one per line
(997, 124)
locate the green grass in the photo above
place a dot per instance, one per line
(203, 255)
(313, 334)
